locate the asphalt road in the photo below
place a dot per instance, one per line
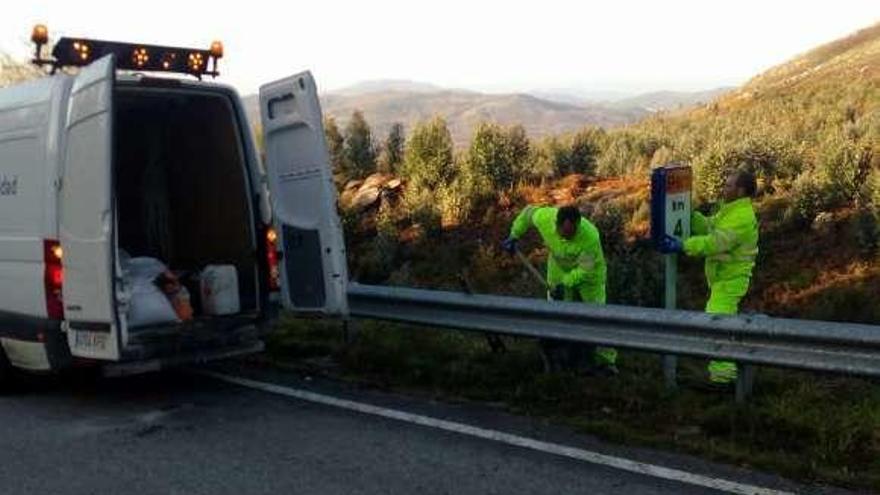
(182, 433)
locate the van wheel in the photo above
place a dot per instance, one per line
(7, 374)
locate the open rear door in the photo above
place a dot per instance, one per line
(86, 215)
(314, 274)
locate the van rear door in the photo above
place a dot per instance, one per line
(85, 214)
(314, 276)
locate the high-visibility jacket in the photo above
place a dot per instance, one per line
(729, 242)
(577, 263)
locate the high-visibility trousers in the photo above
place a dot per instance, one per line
(602, 356)
(724, 298)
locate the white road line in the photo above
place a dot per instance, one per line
(507, 438)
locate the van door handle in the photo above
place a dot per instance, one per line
(277, 101)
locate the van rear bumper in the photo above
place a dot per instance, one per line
(198, 341)
(196, 357)
(38, 344)
(192, 338)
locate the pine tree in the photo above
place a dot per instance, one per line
(360, 156)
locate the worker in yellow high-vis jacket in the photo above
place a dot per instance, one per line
(729, 242)
(576, 269)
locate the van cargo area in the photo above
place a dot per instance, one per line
(182, 197)
(137, 222)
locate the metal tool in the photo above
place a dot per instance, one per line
(531, 269)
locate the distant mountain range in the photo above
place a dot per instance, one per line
(380, 85)
(385, 102)
(650, 102)
(669, 100)
(463, 110)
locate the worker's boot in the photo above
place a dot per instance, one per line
(722, 375)
(604, 361)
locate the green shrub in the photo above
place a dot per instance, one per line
(619, 157)
(769, 156)
(428, 159)
(871, 191)
(866, 230)
(840, 163)
(358, 149)
(710, 171)
(635, 277)
(809, 197)
(423, 210)
(490, 160)
(548, 160)
(610, 219)
(520, 150)
(350, 219)
(456, 202)
(627, 151)
(584, 149)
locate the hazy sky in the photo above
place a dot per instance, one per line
(627, 45)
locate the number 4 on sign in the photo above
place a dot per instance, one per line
(678, 231)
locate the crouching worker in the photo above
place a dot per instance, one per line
(576, 271)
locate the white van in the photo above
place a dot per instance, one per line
(95, 168)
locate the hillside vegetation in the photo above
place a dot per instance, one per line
(809, 128)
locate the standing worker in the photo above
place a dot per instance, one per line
(576, 271)
(729, 242)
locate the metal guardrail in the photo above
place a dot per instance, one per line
(811, 345)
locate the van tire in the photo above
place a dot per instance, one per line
(7, 374)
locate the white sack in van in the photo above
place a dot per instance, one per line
(142, 268)
(147, 304)
(219, 287)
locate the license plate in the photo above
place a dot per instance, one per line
(92, 341)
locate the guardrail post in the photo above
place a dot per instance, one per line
(670, 362)
(349, 331)
(745, 381)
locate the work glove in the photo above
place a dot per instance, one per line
(509, 245)
(670, 245)
(558, 293)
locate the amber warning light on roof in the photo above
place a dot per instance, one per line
(78, 52)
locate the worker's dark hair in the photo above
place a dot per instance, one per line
(570, 213)
(745, 180)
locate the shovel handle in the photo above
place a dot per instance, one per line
(531, 269)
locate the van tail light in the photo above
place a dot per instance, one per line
(53, 279)
(272, 259)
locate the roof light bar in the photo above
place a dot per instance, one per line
(78, 52)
